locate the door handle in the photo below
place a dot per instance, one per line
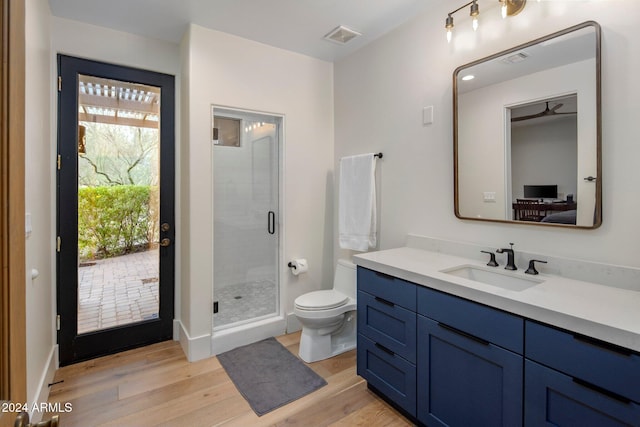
(590, 178)
(164, 242)
(271, 222)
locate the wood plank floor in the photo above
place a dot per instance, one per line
(157, 386)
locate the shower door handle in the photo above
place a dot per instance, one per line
(271, 222)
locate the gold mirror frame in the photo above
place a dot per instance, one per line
(598, 132)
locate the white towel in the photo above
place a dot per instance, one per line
(357, 203)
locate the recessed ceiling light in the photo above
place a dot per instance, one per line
(341, 35)
(468, 77)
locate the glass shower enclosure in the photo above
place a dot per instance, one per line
(246, 217)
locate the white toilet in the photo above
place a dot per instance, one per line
(329, 317)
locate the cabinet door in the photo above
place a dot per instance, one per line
(556, 399)
(464, 381)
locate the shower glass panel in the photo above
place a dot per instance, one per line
(246, 212)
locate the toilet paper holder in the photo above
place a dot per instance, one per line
(298, 266)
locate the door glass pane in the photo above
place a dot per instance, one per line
(246, 221)
(118, 203)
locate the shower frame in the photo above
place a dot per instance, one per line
(252, 330)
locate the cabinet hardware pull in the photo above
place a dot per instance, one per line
(384, 275)
(385, 349)
(464, 334)
(602, 345)
(385, 302)
(601, 390)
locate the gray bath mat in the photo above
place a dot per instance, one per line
(268, 375)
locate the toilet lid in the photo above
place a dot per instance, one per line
(321, 300)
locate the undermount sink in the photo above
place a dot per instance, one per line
(493, 277)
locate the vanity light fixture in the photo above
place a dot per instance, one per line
(449, 26)
(509, 8)
(475, 11)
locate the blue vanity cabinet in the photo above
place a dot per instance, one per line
(575, 380)
(386, 355)
(449, 361)
(464, 377)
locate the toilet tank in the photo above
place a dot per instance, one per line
(345, 278)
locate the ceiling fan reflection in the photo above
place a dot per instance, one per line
(546, 113)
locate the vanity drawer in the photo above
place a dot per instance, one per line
(389, 373)
(556, 399)
(389, 288)
(604, 365)
(490, 324)
(388, 324)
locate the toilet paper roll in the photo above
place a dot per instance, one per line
(299, 266)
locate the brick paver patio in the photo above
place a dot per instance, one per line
(118, 291)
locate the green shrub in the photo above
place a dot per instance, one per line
(116, 220)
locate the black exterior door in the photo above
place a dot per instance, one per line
(115, 208)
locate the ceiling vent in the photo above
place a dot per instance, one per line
(341, 35)
(515, 58)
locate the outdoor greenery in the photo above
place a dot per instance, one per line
(116, 220)
(118, 191)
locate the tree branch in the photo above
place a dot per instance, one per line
(98, 172)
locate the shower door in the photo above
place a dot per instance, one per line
(246, 212)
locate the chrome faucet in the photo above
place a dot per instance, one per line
(510, 257)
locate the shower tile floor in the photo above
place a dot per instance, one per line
(244, 301)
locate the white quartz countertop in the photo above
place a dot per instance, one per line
(607, 313)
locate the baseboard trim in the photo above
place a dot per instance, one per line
(195, 348)
(228, 339)
(42, 393)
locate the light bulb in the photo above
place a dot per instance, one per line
(448, 24)
(475, 11)
(504, 9)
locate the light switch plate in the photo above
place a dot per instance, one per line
(489, 196)
(27, 224)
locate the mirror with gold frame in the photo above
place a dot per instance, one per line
(527, 133)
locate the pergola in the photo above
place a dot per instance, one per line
(118, 103)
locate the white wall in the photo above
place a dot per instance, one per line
(226, 70)
(544, 154)
(40, 292)
(482, 166)
(380, 92)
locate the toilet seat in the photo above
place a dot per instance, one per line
(321, 300)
